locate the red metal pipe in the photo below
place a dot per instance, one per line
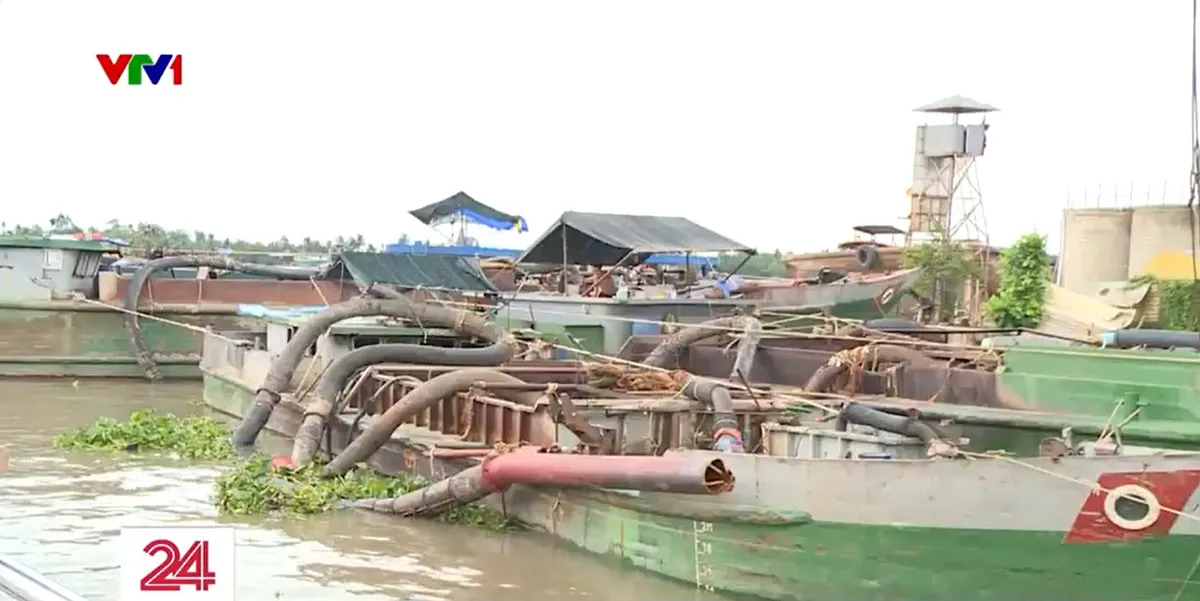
(532, 465)
(459, 453)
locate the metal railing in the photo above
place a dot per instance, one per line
(20, 582)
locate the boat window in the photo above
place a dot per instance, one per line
(86, 265)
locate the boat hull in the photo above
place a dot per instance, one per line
(823, 530)
(873, 297)
(70, 338)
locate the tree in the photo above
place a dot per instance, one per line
(945, 267)
(1024, 282)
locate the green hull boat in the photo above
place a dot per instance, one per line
(816, 514)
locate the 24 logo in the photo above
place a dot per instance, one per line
(176, 571)
(177, 563)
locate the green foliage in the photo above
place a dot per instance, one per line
(1020, 301)
(255, 487)
(1180, 306)
(945, 267)
(192, 437)
(762, 264)
(145, 236)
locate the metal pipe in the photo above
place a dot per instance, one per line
(683, 475)
(1150, 338)
(24, 584)
(532, 465)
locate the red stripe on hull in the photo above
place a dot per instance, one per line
(1101, 520)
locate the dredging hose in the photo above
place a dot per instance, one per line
(726, 435)
(417, 400)
(904, 425)
(531, 465)
(279, 376)
(133, 293)
(670, 347)
(823, 379)
(323, 403)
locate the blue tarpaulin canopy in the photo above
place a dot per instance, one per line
(462, 206)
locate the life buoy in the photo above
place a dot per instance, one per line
(1133, 492)
(886, 296)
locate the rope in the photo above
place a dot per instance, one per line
(1090, 484)
(313, 281)
(803, 401)
(812, 336)
(77, 296)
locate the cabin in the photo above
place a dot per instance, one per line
(44, 269)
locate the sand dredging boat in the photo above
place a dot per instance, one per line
(710, 479)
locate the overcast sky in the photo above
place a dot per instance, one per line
(778, 123)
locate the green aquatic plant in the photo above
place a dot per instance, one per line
(256, 487)
(191, 437)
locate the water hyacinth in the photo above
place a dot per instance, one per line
(256, 487)
(191, 437)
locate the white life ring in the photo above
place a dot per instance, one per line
(1133, 491)
(886, 296)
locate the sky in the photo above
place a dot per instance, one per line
(780, 124)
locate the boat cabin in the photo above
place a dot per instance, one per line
(35, 268)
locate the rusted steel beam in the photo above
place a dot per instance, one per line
(563, 411)
(672, 405)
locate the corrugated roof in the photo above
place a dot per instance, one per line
(59, 243)
(605, 239)
(408, 271)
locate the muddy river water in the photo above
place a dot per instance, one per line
(60, 513)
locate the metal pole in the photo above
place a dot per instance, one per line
(24, 584)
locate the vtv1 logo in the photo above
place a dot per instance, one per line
(182, 563)
(136, 64)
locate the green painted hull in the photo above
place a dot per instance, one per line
(774, 550)
(1160, 386)
(63, 342)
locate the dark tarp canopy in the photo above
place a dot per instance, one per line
(408, 271)
(463, 205)
(604, 239)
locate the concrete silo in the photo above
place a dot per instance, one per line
(1157, 230)
(1095, 248)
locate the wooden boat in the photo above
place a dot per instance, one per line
(855, 256)
(857, 296)
(818, 512)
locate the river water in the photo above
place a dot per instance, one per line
(60, 514)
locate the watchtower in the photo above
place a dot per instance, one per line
(945, 200)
